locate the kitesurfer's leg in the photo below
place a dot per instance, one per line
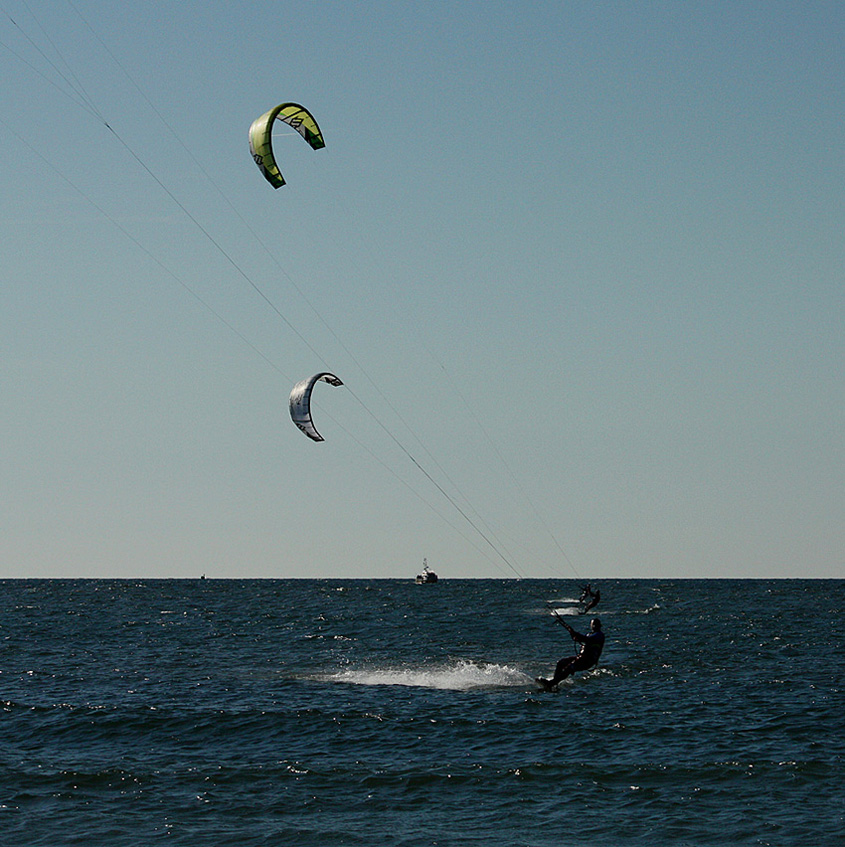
(564, 668)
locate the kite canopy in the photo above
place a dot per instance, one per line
(261, 137)
(300, 403)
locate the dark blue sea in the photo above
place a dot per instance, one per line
(338, 712)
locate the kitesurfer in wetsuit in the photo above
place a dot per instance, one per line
(594, 602)
(592, 642)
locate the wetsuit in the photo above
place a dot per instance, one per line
(593, 643)
(594, 602)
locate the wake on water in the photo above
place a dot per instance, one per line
(567, 611)
(459, 676)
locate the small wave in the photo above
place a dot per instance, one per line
(459, 676)
(656, 607)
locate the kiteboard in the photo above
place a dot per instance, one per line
(545, 684)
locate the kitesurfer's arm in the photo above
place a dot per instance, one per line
(573, 632)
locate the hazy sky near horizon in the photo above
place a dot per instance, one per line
(579, 265)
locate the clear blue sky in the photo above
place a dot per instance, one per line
(584, 262)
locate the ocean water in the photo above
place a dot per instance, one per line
(337, 712)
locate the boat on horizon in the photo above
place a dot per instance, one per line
(428, 576)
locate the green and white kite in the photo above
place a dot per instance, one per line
(261, 142)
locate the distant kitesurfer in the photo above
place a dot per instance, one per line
(589, 598)
(592, 644)
(596, 596)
